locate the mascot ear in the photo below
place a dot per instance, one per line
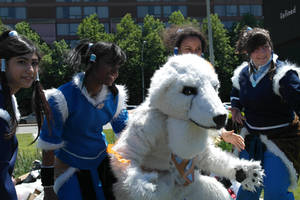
(160, 82)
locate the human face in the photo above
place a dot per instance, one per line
(106, 73)
(21, 71)
(191, 44)
(261, 55)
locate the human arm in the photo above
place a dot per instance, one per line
(119, 123)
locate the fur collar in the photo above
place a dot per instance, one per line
(280, 73)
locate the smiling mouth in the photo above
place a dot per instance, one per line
(206, 127)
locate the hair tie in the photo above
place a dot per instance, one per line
(3, 65)
(179, 30)
(175, 50)
(93, 57)
(13, 34)
(37, 76)
(249, 28)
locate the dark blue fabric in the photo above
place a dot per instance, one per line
(8, 149)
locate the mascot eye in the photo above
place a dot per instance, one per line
(216, 86)
(189, 91)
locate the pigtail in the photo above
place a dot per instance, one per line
(41, 107)
(8, 106)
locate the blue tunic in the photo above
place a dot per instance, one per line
(8, 155)
(76, 132)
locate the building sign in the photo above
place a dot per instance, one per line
(288, 13)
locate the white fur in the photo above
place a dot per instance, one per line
(78, 81)
(60, 100)
(280, 73)
(171, 122)
(236, 75)
(15, 107)
(63, 178)
(42, 144)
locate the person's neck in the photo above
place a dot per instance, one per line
(13, 89)
(92, 87)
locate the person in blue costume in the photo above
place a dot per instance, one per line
(19, 69)
(74, 151)
(189, 39)
(268, 91)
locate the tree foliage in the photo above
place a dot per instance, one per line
(92, 30)
(225, 59)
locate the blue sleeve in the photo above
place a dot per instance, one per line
(235, 98)
(290, 90)
(53, 133)
(8, 149)
(120, 122)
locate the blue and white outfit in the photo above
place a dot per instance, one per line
(272, 133)
(77, 136)
(9, 151)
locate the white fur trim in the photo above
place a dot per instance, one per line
(42, 144)
(236, 75)
(15, 106)
(60, 100)
(276, 151)
(5, 115)
(280, 73)
(122, 103)
(78, 81)
(63, 178)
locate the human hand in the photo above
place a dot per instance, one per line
(237, 116)
(234, 139)
(49, 193)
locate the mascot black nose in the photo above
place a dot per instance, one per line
(220, 120)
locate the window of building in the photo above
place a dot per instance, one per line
(67, 0)
(95, 0)
(13, 12)
(228, 24)
(101, 11)
(10, 1)
(169, 9)
(73, 12)
(220, 10)
(142, 11)
(146, 0)
(231, 10)
(225, 10)
(67, 29)
(106, 27)
(255, 10)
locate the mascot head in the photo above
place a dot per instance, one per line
(186, 88)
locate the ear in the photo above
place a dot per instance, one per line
(160, 82)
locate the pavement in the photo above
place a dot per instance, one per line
(32, 128)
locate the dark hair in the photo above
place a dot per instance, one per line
(174, 35)
(12, 45)
(109, 53)
(251, 39)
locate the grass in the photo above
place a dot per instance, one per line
(28, 153)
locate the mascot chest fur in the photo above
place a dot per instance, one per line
(177, 118)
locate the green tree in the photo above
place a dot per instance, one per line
(225, 59)
(154, 52)
(129, 37)
(90, 28)
(177, 18)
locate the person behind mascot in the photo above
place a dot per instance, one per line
(269, 92)
(19, 69)
(189, 39)
(80, 109)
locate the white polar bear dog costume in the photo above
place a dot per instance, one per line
(180, 112)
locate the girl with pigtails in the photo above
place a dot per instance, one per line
(19, 69)
(75, 161)
(268, 91)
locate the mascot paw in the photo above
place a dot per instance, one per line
(250, 177)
